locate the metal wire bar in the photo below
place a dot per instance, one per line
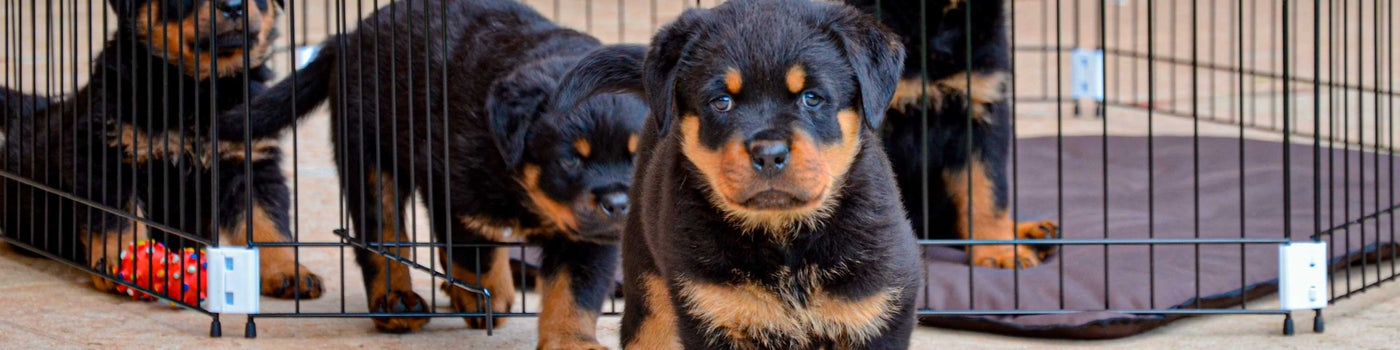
(1151, 162)
(114, 211)
(410, 263)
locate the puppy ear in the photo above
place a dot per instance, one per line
(670, 45)
(122, 8)
(613, 68)
(876, 56)
(515, 103)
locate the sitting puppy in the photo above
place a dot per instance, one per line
(767, 215)
(503, 164)
(133, 140)
(965, 153)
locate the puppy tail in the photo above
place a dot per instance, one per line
(272, 110)
(613, 68)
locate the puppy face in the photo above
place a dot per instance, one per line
(574, 164)
(770, 113)
(772, 136)
(577, 166)
(768, 110)
(208, 35)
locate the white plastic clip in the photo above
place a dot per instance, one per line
(1086, 74)
(234, 286)
(1302, 275)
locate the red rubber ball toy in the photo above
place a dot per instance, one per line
(174, 275)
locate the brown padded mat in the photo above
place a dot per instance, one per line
(1133, 271)
(1173, 276)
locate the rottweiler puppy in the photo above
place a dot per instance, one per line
(136, 139)
(767, 215)
(483, 148)
(967, 156)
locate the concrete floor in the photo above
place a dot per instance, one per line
(47, 305)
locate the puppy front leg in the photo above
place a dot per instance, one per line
(574, 280)
(282, 275)
(488, 268)
(978, 211)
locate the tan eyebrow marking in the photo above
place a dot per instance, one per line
(584, 148)
(796, 78)
(733, 81)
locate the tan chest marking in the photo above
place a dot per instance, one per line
(486, 228)
(985, 89)
(750, 313)
(502, 230)
(174, 145)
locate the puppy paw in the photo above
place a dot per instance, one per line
(464, 301)
(399, 302)
(480, 322)
(1005, 256)
(102, 284)
(1040, 230)
(286, 285)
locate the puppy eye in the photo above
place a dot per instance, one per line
(810, 99)
(569, 163)
(722, 104)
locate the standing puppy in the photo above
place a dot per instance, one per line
(969, 126)
(767, 215)
(480, 145)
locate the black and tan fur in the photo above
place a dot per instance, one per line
(969, 126)
(135, 139)
(767, 216)
(556, 178)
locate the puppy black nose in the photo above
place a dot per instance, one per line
(613, 204)
(769, 157)
(232, 8)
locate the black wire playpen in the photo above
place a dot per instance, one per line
(1176, 144)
